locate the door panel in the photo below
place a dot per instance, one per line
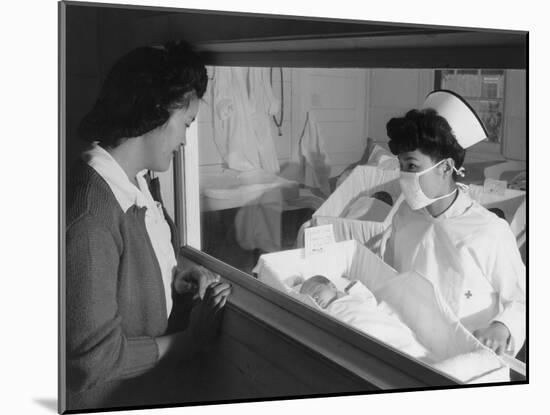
(337, 98)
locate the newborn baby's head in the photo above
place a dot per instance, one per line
(321, 289)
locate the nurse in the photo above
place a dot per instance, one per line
(468, 253)
(130, 312)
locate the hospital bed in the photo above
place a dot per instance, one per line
(512, 202)
(244, 213)
(452, 349)
(229, 189)
(362, 182)
(374, 155)
(367, 180)
(510, 171)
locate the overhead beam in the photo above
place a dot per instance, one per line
(497, 57)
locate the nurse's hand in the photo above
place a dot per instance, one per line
(195, 279)
(496, 336)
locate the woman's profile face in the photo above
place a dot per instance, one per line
(415, 162)
(163, 142)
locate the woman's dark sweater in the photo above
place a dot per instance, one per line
(115, 300)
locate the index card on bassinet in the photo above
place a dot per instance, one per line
(495, 186)
(317, 238)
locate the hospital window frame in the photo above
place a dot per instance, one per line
(484, 146)
(285, 314)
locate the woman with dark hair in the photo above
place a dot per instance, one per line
(123, 277)
(468, 253)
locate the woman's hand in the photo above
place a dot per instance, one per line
(203, 325)
(496, 336)
(194, 279)
(205, 317)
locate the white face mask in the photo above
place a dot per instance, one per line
(414, 195)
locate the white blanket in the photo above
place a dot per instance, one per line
(360, 310)
(509, 202)
(452, 349)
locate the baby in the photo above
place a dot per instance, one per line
(358, 307)
(321, 289)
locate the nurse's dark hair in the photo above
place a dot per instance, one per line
(426, 131)
(141, 91)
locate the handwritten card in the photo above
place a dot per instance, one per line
(318, 238)
(495, 186)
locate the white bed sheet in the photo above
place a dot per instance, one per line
(362, 183)
(509, 202)
(453, 350)
(230, 189)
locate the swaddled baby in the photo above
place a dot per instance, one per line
(358, 307)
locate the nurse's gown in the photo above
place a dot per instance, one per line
(471, 257)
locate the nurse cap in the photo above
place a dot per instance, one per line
(466, 125)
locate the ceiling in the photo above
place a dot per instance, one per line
(251, 39)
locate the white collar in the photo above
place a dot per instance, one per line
(126, 193)
(462, 203)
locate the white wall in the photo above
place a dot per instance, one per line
(337, 98)
(210, 159)
(392, 93)
(515, 115)
(385, 93)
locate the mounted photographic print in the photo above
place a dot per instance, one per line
(199, 152)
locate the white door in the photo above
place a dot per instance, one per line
(338, 99)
